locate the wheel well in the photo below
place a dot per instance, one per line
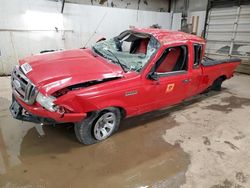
(122, 110)
(223, 77)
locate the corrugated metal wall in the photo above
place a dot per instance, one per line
(228, 34)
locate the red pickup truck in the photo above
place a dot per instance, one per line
(136, 72)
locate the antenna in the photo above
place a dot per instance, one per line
(97, 27)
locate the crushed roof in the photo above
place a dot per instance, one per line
(165, 36)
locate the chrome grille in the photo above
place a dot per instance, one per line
(22, 86)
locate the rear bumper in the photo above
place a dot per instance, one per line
(38, 114)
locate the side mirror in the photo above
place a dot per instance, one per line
(153, 76)
(101, 39)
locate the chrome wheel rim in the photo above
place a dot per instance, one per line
(104, 126)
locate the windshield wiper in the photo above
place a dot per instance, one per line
(118, 61)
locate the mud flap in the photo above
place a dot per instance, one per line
(39, 129)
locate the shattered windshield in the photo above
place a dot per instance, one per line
(130, 50)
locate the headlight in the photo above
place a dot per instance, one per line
(46, 102)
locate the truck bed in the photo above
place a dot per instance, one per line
(213, 69)
(211, 62)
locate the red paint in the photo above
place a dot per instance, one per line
(133, 92)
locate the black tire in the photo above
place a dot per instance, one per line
(84, 130)
(217, 84)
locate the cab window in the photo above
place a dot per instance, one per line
(197, 55)
(173, 59)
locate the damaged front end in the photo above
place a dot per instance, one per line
(25, 91)
(20, 113)
(78, 86)
(45, 109)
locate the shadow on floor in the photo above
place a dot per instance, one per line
(63, 134)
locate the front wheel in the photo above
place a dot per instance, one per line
(98, 126)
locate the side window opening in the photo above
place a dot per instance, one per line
(133, 44)
(173, 59)
(131, 50)
(197, 55)
(139, 46)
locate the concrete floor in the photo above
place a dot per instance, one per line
(202, 143)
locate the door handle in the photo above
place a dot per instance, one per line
(156, 82)
(186, 81)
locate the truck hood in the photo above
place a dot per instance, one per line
(51, 72)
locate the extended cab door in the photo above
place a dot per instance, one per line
(170, 76)
(195, 76)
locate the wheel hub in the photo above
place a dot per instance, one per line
(104, 126)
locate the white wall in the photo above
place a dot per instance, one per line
(36, 22)
(201, 23)
(176, 22)
(90, 23)
(18, 19)
(194, 8)
(193, 5)
(151, 5)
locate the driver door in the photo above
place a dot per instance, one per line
(171, 76)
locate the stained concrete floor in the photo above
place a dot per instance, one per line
(202, 143)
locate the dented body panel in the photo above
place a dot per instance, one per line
(88, 82)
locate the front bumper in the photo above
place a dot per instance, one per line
(38, 114)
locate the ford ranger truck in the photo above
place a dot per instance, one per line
(138, 71)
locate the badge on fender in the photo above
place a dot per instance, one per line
(26, 68)
(170, 87)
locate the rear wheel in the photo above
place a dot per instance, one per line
(217, 84)
(98, 126)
